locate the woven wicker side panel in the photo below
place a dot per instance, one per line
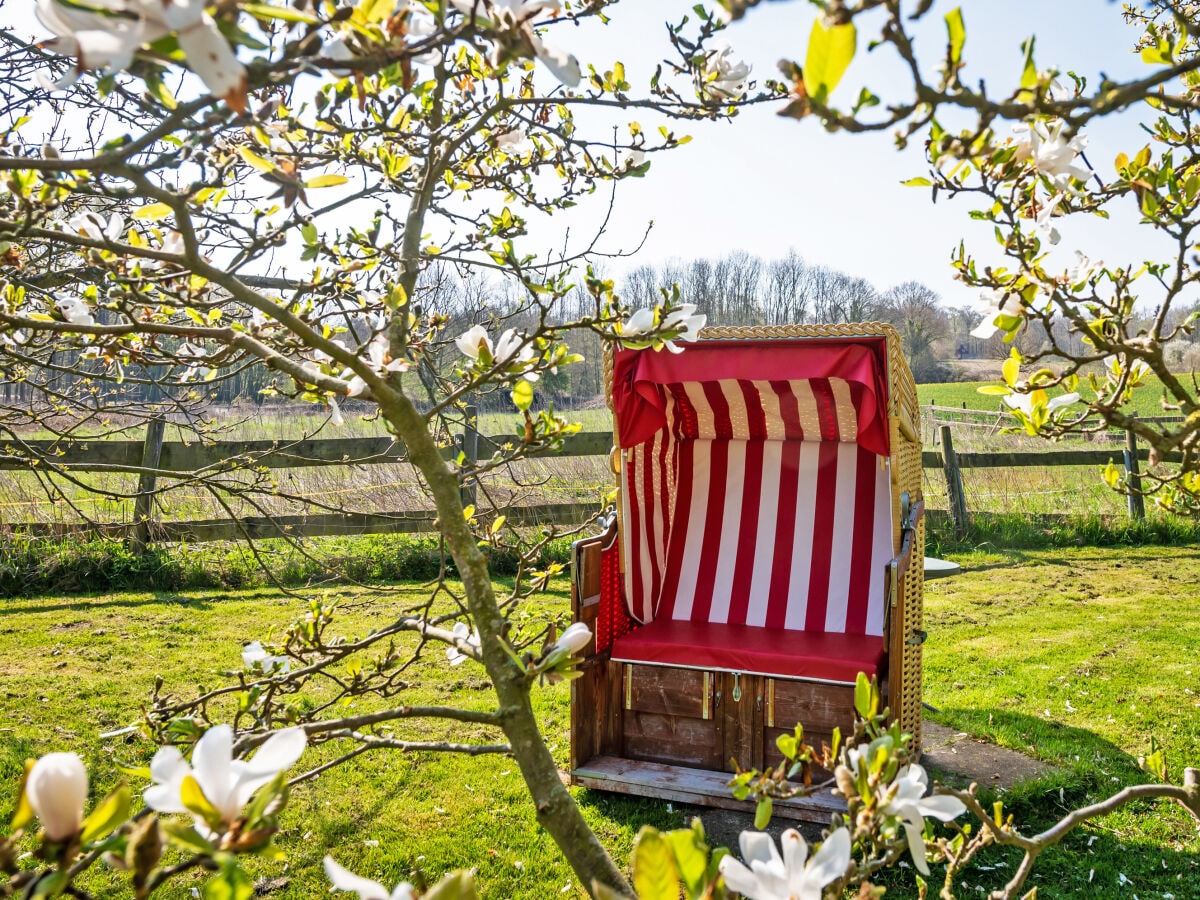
(906, 463)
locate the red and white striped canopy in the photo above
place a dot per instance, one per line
(756, 484)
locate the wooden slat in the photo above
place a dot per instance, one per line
(692, 785)
(1051, 458)
(323, 525)
(819, 707)
(670, 691)
(677, 740)
(742, 720)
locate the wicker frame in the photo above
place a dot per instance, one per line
(905, 673)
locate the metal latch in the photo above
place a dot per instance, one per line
(737, 687)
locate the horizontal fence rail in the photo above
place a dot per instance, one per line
(154, 458)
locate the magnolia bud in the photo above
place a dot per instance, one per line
(845, 781)
(56, 789)
(574, 638)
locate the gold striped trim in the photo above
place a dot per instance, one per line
(770, 702)
(706, 697)
(628, 686)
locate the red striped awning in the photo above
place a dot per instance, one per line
(810, 389)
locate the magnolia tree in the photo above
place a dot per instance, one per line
(1021, 157)
(190, 193)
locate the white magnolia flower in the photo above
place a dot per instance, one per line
(469, 637)
(194, 371)
(1084, 269)
(1024, 402)
(345, 880)
(1046, 215)
(519, 16)
(792, 877)
(335, 414)
(993, 304)
(511, 349)
(56, 789)
(514, 141)
(75, 310)
(575, 638)
(639, 323)
(907, 801)
(685, 320)
(380, 358)
(227, 783)
(1138, 369)
(1050, 153)
(722, 77)
(634, 159)
(255, 654)
(107, 35)
(92, 225)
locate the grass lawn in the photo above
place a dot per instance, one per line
(1076, 656)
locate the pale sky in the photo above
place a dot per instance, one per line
(765, 184)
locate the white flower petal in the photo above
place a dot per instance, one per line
(343, 879)
(211, 57)
(941, 807)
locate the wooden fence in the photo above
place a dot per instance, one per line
(153, 458)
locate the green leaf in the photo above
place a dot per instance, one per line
(862, 695)
(263, 165)
(917, 182)
(286, 13)
(1029, 74)
(654, 875)
(455, 886)
(522, 395)
(957, 33)
(192, 797)
(691, 856)
(153, 213)
(829, 53)
(108, 814)
(23, 814)
(762, 813)
(186, 838)
(1011, 370)
(994, 390)
(230, 883)
(154, 84)
(326, 181)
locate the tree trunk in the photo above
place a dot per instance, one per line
(556, 810)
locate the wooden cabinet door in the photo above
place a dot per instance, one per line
(741, 709)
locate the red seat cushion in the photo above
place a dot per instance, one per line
(746, 648)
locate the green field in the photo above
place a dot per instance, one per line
(1078, 657)
(1147, 400)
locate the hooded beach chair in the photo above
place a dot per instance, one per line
(766, 548)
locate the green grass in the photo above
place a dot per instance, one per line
(1012, 641)
(1147, 400)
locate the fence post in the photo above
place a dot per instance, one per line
(142, 507)
(470, 450)
(954, 488)
(1137, 503)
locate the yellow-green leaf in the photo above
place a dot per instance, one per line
(957, 32)
(285, 13)
(326, 181)
(654, 875)
(108, 814)
(23, 814)
(829, 53)
(192, 797)
(263, 165)
(153, 213)
(1011, 370)
(522, 395)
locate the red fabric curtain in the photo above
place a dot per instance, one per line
(639, 376)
